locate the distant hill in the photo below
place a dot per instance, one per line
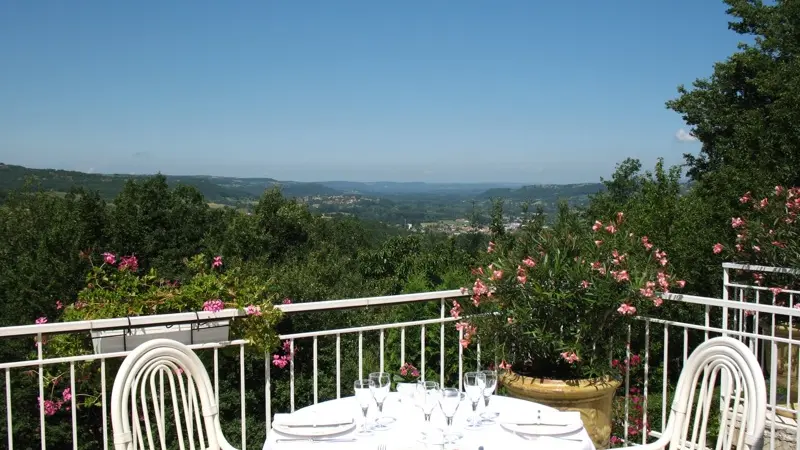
(400, 188)
(548, 193)
(215, 189)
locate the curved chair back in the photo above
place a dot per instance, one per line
(141, 417)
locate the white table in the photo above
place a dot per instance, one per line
(405, 431)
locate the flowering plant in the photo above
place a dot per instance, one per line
(555, 300)
(115, 287)
(767, 234)
(407, 374)
(767, 231)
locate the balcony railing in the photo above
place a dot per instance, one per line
(325, 361)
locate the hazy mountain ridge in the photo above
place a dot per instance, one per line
(231, 189)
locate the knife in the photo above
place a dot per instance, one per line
(311, 425)
(317, 440)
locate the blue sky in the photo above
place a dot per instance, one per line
(363, 90)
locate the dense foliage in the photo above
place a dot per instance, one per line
(557, 299)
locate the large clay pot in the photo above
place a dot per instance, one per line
(592, 398)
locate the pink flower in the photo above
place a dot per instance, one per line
(737, 222)
(717, 249)
(510, 320)
(50, 407)
(598, 243)
(456, 310)
(217, 262)
(66, 394)
(621, 275)
(597, 225)
(41, 320)
(287, 301)
(279, 361)
(570, 357)
(490, 249)
(504, 365)
(611, 229)
(626, 309)
(646, 243)
(776, 290)
(109, 258)
(479, 288)
(252, 310)
(215, 305)
(763, 203)
(778, 190)
(59, 305)
(620, 216)
(496, 275)
(529, 262)
(680, 283)
(79, 304)
(756, 248)
(129, 263)
(745, 198)
(658, 301)
(585, 284)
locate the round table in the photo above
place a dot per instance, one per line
(404, 433)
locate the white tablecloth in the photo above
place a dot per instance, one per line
(406, 430)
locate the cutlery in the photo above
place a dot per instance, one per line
(317, 440)
(311, 425)
(530, 424)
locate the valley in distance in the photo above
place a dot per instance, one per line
(415, 206)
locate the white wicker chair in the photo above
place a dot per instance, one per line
(149, 369)
(743, 403)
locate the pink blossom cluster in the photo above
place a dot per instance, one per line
(281, 361)
(217, 262)
(637, 426)
(252, 310)
(570, 357)
(214, 305)
(469, 331)
(456, 310)
(51, 407)
(408, 370)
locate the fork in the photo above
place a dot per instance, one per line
(381, 446)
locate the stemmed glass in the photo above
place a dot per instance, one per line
(491, 385)
(427, 396)
(380, 382)
(363, 389)
(449, 400)
(474, 385)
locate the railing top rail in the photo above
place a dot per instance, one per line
(733, 304)
(757, 268)
(205, 316)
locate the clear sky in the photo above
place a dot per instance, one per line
(365, 90)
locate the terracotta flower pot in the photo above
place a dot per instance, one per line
(592, 398)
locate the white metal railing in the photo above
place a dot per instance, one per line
(40, 331)
(662, 340)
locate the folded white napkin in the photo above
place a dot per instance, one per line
(310, 420)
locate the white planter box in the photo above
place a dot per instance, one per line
(186, 333)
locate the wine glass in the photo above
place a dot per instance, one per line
(363, 389)
(474, 385)
(380, 385)
(491, 385)
(449, 399)
(427, 397)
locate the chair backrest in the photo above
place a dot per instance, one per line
(729, 365)
(149, 375)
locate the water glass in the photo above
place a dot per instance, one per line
(380, 386)
(491, 385)
(474, 385)
(449, 399)
(363, 391)
(427, 396)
